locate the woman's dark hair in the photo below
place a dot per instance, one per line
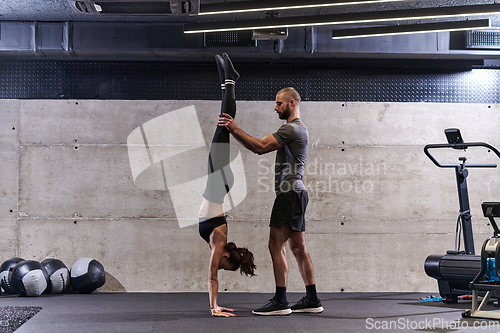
(240, 258)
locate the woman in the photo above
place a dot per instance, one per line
(213, 224)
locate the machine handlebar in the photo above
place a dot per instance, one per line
(462, 145)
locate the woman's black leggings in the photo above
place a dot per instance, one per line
(220, 177)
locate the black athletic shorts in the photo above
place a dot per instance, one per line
(290, 207)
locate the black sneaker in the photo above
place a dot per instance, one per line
(273, 308)
(305, 305)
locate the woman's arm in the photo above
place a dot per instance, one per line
(213, 280)
(217, 243)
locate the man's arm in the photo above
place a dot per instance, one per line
(258, 146)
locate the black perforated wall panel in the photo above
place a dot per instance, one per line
(401, 81)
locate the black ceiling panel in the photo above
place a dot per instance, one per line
(153, 80)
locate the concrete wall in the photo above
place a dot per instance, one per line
(378, 206)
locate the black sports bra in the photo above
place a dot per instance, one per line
(206, 227)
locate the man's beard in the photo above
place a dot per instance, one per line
(286, 113)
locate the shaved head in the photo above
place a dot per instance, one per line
(290, 93)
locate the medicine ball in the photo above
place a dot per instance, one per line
(29, 278)
(4, 274)
(87, 275)
(58, 274)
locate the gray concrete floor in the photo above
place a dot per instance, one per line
(188, 312)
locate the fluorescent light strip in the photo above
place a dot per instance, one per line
(286, 7)
(350, 18)
(410, 29)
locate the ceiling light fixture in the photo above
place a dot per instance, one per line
(410, 29)
(260, 6)
(348, 18)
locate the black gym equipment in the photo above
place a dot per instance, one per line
(456, 269)
(488, 278)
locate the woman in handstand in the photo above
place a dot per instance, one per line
(213, 224)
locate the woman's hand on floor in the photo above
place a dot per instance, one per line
(218, 311)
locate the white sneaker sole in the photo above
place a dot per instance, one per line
(309, 310)
(283, 312)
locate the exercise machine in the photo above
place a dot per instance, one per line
(488, 278)
(456, 269)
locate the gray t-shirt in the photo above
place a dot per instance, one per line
(291, 157)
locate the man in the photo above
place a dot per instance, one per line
(287, 217)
